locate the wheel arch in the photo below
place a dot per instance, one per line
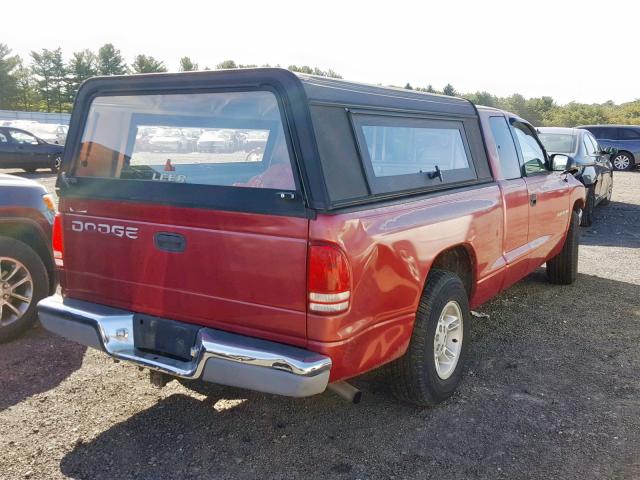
(458, 259)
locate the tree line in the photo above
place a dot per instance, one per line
(49, 83)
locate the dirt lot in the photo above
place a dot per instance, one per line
(552, 390)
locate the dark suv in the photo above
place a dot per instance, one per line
(27, 272)
(625, 138)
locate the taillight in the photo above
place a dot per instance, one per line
(56, 241)
(329, 283)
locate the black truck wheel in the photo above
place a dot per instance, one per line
(23, 283)
(431, 369)
(563, 268)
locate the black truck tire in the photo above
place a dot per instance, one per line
(563, 268)
(415, 376)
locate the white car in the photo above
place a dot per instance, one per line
(50, 132)
(216, 141)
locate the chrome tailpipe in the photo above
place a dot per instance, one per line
(347, 391)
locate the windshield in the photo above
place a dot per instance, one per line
(233, 139)
(558, 142)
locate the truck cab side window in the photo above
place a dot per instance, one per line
(532, 153)
(506, 149)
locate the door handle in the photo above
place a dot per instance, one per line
(533, 199)
(170, 242)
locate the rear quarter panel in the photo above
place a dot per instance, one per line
(391, 250)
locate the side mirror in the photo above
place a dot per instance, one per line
(609, 151)
(563, 163)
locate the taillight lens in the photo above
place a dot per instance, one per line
(56, 241)
(329, 279)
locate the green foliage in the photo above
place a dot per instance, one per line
(314, 71)
(229, 64)
(8, 82)
(51, 79)
(110, 61)
(27, 96)
(449, 90)
(83, 65)
(226, 65)
(187, 65)
(147, 64)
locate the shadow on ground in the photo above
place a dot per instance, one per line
(35, 363)
(615, 225)
(551, 390)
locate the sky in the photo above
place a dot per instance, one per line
(583, 51)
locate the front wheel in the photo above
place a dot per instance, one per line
(431, 369)
(623, 161)
(563, 268)
(55, 165)
(23, 283)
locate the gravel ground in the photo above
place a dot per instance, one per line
(551, 390)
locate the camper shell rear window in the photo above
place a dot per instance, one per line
(225, 139)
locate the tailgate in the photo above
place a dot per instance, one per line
(188, 206)
(233, 270)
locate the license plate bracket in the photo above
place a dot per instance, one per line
(169, 338)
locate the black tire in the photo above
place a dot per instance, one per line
(414, 377)
(55, 164)
(587, 212)
(23, 253)
(30, 170)
(607, 197)
(563, 268)
(623, 161)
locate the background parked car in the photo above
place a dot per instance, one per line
(50, 132)
(626, 138)
(216, 141)
(27, 272)
(21, 149)
(169, 140)
(594, 167)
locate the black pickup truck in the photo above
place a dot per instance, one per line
(27, 272)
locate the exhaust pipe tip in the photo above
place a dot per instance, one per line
(347, 391)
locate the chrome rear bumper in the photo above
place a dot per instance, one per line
(217, 356)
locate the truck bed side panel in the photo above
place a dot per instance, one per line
(391, 250)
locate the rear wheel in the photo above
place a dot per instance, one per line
(431, 369)
(563, 268)
(623, 161)
(587, 213)
(23, 283)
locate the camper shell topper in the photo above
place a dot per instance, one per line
(338, 139)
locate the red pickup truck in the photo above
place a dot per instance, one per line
(356, 229)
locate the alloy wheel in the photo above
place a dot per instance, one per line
(16, 290)
(621, 162)
(447, 341)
